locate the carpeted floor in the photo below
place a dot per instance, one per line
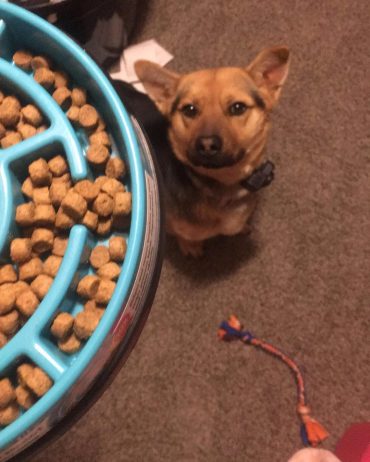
(301, 280)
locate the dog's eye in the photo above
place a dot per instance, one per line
(189, 110)
(237, 109)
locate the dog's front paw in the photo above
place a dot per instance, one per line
(191, 248)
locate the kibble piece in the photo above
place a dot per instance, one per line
(22, 59)
(74, 205)
(58, 166)
(2, 130)
(90, 305)
(9, 414)
(7, 394)
(110, 270)
(101, 125)
(115, 168)
(39, 61)
(24, 397)
(27, 188)
(90, 220)
(105, 291)
(122, 203)
(65, 178)
(9, 322)
(88, 286)
(19, 287)
(7, 299)
(73, 114)
(20, 250)
(99, 256)
(38, 382)
(45, 77)
(24, 214)
(44, 215)
(103, 205)
(88, 117)
(30, 269)
(27, 302)
(41, 285)
(62, 325)
(58, 191)
(7, 274)
(26, 131)
(100, 180)
(10, 140)
(79, 96)
(70, 344)
(39, 172)
(112, 186)
(60, 79)
(63, 221)
(42, 240)
(10, 111)
(97, 154)
(87, 189)
(32, 115)
(100, 138)
(52, 265)
(41, 128)
(117, 248)
(63, 97)
(22, 373)
(3, 340)
(85, 323)
(60, 246)
(41, 195)
(104, 226)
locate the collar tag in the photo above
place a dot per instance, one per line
(260, 178)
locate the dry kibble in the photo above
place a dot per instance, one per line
(45, 77)
(23, 371)
(10, 140)
(58, 191)
(24, 397)
(60, 245)
(74, 205)
(32, 115)
(100, 180)
(99, 256)
(88, 286)
(97, 154)
(103, 205)
(44, 215)
(7, 394)
(88, 190)
(63, 221)
(9, 414)
(41, 195)
(88, 117)
(51, 265)
(117, 248)
(41, 285)
(70, 344)
(9, 322)
(26, 131)
(2, 131)
(60, 79)
(7, 274)
(62, 325)
(19, 287)
(110, 270)
(122, 203)
(7, 299)
(63, 97)
(79, 96)
(104, 226)
(112, 186)
(41, 128)
(58, 166)
(22, 59)
(42, 240)
(101, 137)
(30, 269)
(65, 178)
(105, 291)
(10, 111)
(24, 214)
(39, 172)
(73, 114)
(101, 125)
(38, 382)
(39, 61)
(85, 323)
(3, 340)
(90, 220)
(115, 168)
(27, 188)
(27, 302)
(20, 250)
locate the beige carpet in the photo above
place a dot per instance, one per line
(301, 280)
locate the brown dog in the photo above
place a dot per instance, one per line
(218, 120)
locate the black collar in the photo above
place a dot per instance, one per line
(260, 177)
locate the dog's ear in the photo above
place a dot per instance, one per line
(270, 69)
(160, 83)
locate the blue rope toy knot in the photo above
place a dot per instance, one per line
(232, 333)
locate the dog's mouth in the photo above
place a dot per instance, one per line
(214, 161)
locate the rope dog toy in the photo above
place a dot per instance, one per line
(312, 432)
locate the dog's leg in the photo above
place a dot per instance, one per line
(190, 248)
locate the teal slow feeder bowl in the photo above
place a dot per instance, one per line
(79, 377)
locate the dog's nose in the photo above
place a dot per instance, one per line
(208, 145)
